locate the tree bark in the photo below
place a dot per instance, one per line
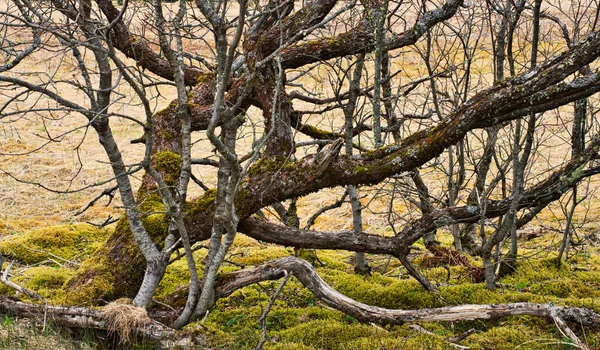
(269, 182)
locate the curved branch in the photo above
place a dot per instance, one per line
(138, 48)
(298, 238)
(308, 276)
(541, 194)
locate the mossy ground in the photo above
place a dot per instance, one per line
(67, 244)
(300, 321)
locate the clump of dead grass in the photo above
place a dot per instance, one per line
(123, 318)
(443, 256)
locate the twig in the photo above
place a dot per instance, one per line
(420, 329)
(4, 279)
(461, 336)
(181, 255)
(110, 192)
(198, 182)
(566, 331)
(52, 255)
(263, 318)
(337, 204)
(45, 316)
(109, 220)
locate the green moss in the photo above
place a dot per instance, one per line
(539, 270)
(298, 320)
(512, 336)
(94, 281)
(202, 203)
(417, 341)
(315, 132)
(151, 203)
(396, 294)
(204, 77)
(41, 277)
(44, 280)
(288, 346)
(325, 334)
(169, 164)
(469, 294)
(69, 242)
(167, 110)
(176, 276)
(270, 166)
(258, 256)
(157, 226)
(95, 278)
(360, 170)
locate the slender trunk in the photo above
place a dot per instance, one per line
(360, 265)
(577, 144)
(379, 16)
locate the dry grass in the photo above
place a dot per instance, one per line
(19, 334)
(124, 319)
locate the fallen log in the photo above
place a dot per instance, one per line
(86, 318)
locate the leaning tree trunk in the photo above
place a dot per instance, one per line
(104, 274)
(117, 268)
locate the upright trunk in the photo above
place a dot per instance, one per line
(360, 265)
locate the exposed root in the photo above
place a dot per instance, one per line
(124, 319)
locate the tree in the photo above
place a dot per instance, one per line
(226, 59)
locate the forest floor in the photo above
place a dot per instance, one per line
(42, 233)
(299, 321)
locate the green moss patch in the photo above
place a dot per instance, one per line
(60, 243)
(169, 164)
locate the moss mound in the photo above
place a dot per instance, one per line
(64, 244)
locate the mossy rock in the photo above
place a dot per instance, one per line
(62, 243)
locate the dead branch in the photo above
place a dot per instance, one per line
(4, 279)
(308, 276)
(420, 329)
(263, 317)
(566, 331)
(81, 317)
